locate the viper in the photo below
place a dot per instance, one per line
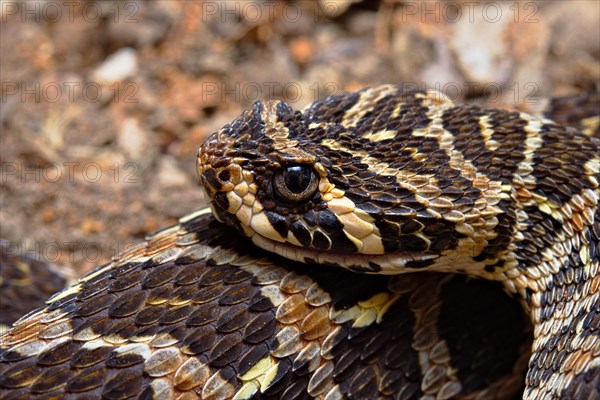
(298, 284)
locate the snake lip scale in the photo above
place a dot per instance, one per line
(316, 271)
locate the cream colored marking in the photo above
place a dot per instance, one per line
(252, 188)
(317, 125)
(261, 225)
(533, 140)
(224, 256)
(357, 242)
(321, 170)
(241, 189)
(369, 97)
(325, 186)
(366, 217)
(163, 256)
(372, 244)
(268, 377)
(273, 293)
(257, 207)
(355, 225)
(247, 391)
(436, 98)
(28, 349)
(199, 252)
(274, 129)
(217, 387)
(590, 125)
(366, 318)
(376, 301)
(258, 370)
(383, 308)
(380, 135)
(235, 175)
(244, 215)
(291, 238)
(162, 388)
(115, 339)
(72, 290)
(140, 349)
(194, 215)
(249, 199)
(343, 316)
(367, 311)
(235, 202)
(341, 205)
(316, 296)
(172, 230)
(486, 133)
(165, 339)
(373, 165)
(334, 394)
(248, 231)
(333, 193)
(289, 339)
(592, 167)
(94, 344)
(248, 176)
(312, 353)
(321, 380)
(296, 153)
(435, 113)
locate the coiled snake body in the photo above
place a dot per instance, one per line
(379, 182)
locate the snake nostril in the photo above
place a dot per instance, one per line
(224, 175)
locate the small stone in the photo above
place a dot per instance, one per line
(170, 175)
(134, 140)
(119, 66)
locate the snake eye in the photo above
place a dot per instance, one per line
(295, 184)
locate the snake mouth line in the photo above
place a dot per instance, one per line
(386, 264)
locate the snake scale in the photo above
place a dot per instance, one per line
(249, 301)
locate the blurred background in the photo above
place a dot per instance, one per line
(105, 103)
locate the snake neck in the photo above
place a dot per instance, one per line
(566, 323)
(553, 266)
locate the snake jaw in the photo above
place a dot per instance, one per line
(385, 264)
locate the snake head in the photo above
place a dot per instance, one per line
(352, 180)
(262, 176)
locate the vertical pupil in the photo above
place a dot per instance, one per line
(297, 179)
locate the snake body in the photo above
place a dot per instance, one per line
(379, 182)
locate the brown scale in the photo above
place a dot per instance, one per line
(579, 111)
(26, 281)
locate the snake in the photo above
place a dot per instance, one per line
(385, 243)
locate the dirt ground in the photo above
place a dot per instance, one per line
(105, 103)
